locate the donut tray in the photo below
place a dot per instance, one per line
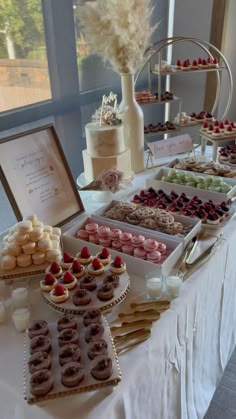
(88, 383)
(68, 307)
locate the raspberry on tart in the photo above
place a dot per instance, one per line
(118, 266)
(59, 294)
(77, 269)
(96, 267)
(104, 256)
(55, 269)
(67, 260)
(69, 280)
(84, 256)
(48, 283)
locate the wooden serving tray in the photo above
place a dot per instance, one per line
(18, 272)
(88, 383)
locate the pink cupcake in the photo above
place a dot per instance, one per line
(115, 234)
(91, 228)
(150, 245)
(137, 241)
(82, 234)
(128, 249)
(161, 248)
(105, 241)
(125, 238)
(154, 256)
(93, 238)
(116, 245)
(140, 252)
(104, 231)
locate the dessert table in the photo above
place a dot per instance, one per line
(171, 375)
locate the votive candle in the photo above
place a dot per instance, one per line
(154, 288)
(21, 318)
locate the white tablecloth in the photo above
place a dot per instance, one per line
(172, 375)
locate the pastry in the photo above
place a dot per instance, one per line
(101, 367)
(23, 260)
(77, 269)
(104, 256)
(36, 234)
(92, 316)
(47, 229)
(104, 241)
(21, 238)
(54, 269)
(53, 255)
(48, 283)
(112, 280)
(93, 332)
(115, 234)
(105, 292)
(150, 245)
(91, 228)
(8, 262)
(72, 374)
(81, 297)
(24, 226)
(68, 336)
(39, 361)
(69, 353)
(13, 249)
(84, 256)
(162, 247)
(68, 321)
(68, 280)
(38, 258)
(32, 218)
(57, 231)
(67, 261)
(93, 238)
(116, 245)
(40, 343)
(88, 283)
(140, 253)
(41, 382)
(44, 245)
(38, 327)
(97, 348)
(96, 268)
(118, 266)
(59, 294)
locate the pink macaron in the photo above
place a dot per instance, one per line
(82, 234)
(128, 249)
(116, 245)
(93, 238)
(140, 252)
(161, 247)
(137, 241)
(91, 228)
(105, 241)
(154, 256)
(150, 245)
(125, 237)
(115, 234)
(104, 231)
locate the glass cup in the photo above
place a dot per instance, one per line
(20, 317)
(154, 286)
(20, 294)
(173, 283)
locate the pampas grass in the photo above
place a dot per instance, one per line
(118, 30)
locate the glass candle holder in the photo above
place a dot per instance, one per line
(20, 317)
(20, 294)
(154, 286)
(173, 283)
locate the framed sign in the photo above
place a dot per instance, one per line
(37, 178)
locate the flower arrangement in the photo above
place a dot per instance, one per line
(107, 114)
(119, 31)
(110, 180)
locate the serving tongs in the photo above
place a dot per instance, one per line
(129, 341)
(212, 242)
(128, 327)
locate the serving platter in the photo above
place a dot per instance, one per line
(19, 272)
(88, 383)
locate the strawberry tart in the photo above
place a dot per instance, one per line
(118, 266)
(59, 294)
(77, 269)
(104, 256)
(67, 261)
(48, 283)
(96, 268)
(84, 256)
(68, 280)
(55, 269)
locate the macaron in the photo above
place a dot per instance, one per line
(104, 231)
(93, 238)
(115, 234)
(161, 247)
(105, 241)
(128, 249)
(125, 237)
(91, 228)
(150, 245)
(82, 234)
(116, 245)
(140, 253)
(154, 256)
(137, 241)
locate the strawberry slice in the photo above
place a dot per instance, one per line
(85, 253)
(67, 258)
(118, 262)
(49, 280)
(59, 290)
(104, 253)
(68, 277)
(76, 266)
(55, 268)
(96, 264)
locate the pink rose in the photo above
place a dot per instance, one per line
(111, 179)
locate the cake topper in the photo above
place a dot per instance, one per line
(107, 114)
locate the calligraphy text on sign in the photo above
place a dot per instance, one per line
(171, 146)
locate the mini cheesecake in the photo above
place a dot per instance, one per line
(59, 294)
(55, 269)
(67, 261)
(104, 256)
(68, 280)
(84, 256)
(118, 266)
(77, 269)
(96, 267)
(48, 283)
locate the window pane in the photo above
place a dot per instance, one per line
(24, 78)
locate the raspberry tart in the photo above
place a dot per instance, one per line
(68, 280)
(77, 269)
(84, 256)
(104, 256)
(118, 266)
(96, 268)
(48, 283)
(55, 269)
(67, 261)
(59, 294)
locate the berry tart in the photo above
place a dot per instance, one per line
(96, 268)
(48, 283)
(59, 294)
(104, 256)
(77, 269)
(84, 256)
(67, 261)
(118, 266)
(68, 280)
(55, 269)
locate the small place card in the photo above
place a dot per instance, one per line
(171, 146)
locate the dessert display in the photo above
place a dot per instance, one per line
(216, 129)
(210, 183)
(227, 154)
(59, 294)
(208, 167)
(207, 211)
(159, 127)
(196, 64)
(80, 358)
(106, 147)
(28, 244)
(145, 96)
(201, 117)
(96, 267)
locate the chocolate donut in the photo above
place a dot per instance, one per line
(94, 332)
(101, 367)
(81, 297)
(39, 361)
(88, 283)
(106, 292)
(68, 336)
(38, 327)
(41, 382)
(40, 343)
(96, 348)
(72, 374)
(66, 322)
(69, 353)
(112, 279)
(92, 316)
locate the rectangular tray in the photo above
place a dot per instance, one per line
(216, 197)
(193, 224)
(134, 265)
(89, 383)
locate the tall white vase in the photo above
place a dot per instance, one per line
(132, 118)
